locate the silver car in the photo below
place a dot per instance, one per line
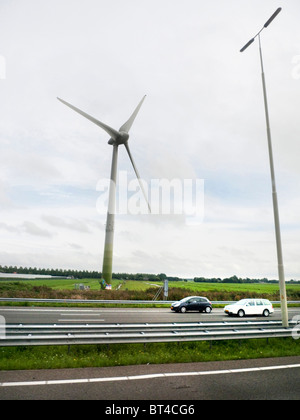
(250, 307)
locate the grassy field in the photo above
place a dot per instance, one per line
(197, 288)
(59, 357)
(141, 290)
(55, 357)
(231, 287)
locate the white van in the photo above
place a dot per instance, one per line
(250, 307)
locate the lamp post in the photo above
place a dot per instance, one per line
(282, 285)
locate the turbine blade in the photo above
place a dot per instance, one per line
(137, 175)
(127, 126)
(112, 132)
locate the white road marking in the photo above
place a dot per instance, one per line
(77, 313)
(83, 310)
(139, 377)
(81, 320)
(47, 310)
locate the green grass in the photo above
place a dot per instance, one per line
(232, 287)
(69, 284)
(138, 290)
(61, 284)
(55, 357)
(139, 285)
(58, 357)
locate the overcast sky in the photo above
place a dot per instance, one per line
(203, 119)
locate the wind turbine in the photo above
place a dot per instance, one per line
(118, 137)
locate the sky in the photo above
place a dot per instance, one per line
(203, 119)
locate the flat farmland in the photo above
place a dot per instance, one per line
(232, 287)
(197, 288)
(145, 290)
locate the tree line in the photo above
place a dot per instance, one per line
(56, 272)
(235, 279)
(85, 274)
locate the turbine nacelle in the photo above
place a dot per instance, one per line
(122, 138)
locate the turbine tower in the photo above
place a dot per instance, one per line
(118, 137)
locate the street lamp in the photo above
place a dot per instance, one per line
(282, 285)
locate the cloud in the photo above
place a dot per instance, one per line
(59, 222)
(26, 227)
(203, 118)
(5, 201)
(32, 229)
(9, 228)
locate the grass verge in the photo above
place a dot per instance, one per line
(58, 357)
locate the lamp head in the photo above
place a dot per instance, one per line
(272, 17)
(265, 26)
(247, 45)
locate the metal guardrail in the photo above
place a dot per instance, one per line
(37, 335)
(119, 302)
(140, 327)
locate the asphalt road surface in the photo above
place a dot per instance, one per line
(35, 315)
(263, 379)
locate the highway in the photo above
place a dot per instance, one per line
(35, 315)
(262, 379)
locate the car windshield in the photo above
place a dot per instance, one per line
(241, 302)
(185, 299)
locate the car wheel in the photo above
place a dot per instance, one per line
(208, 309)
(183, 309)
(266, 313)
(241, 313)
